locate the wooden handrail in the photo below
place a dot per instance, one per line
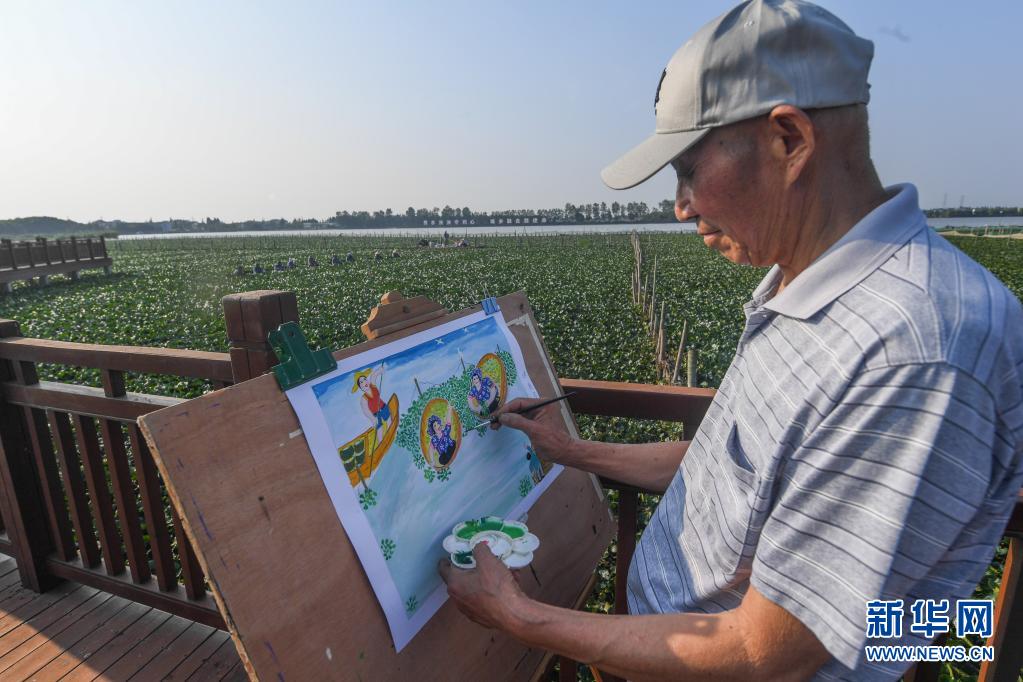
(185, 363)
(640, 401)
(85, 400)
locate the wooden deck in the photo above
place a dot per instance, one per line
(75, 632)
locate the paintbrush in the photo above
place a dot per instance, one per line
(493, 420)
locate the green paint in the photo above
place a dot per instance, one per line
(514, 532)
(367, 498)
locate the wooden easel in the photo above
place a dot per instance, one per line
(281, 568)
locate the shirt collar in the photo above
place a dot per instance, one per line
(848, 261)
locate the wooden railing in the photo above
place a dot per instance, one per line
(81, 498)
(41, 258)
(80, 494)
(25, 254)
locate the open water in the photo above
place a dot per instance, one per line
(532, 230)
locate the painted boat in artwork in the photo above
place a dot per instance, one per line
(360, 465)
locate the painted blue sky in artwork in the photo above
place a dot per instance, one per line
(433, 362)
(487, 474)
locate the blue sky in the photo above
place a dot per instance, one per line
(256, 109)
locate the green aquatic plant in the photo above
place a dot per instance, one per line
(525, 485)
(387, 548)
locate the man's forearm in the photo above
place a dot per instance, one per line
(659, 647)
(647, 465)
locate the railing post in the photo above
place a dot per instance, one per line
(9, 245)
(23, 512)
(1008, 620)
(250, 316)
(41, 241)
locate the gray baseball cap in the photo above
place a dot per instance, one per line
(749, 60)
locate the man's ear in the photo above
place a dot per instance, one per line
(792, 139)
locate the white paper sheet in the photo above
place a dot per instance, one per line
(407, 495)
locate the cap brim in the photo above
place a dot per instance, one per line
(649, 156)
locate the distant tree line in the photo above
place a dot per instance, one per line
(569, 214)
(974, 212)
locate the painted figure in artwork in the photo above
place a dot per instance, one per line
(484, 394)
(442, 445)
(373, 406)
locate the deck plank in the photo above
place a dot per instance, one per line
(176, 652)
(10, 582)
(76, 633)
(28, 603)
(93, 667)
(51, 647)
(146, 650)
(236, 674)
(51, 621)
(7, 564)
(10, 619)
(91, 643)
(218, 665)
(198, 657)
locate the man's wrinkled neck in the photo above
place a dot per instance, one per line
(823, 212)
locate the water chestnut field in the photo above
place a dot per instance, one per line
(167, 293)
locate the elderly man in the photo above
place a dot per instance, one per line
(866, 443)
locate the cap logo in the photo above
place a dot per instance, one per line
(657, 95)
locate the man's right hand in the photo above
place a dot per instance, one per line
(544, 427)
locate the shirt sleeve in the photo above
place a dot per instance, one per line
(874, 496)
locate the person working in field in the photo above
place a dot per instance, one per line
(373, 406)
(866, 443)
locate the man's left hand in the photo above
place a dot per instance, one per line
(487, 594)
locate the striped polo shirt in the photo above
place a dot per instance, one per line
(866, 443)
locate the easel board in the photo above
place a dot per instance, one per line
(282, 570)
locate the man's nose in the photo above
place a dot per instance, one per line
(684, 209)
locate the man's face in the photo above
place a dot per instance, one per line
(724, 187)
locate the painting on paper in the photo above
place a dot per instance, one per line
(400, 437)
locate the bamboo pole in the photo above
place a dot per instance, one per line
(659, 334)
(653, 288)
(691, 367)
(660, 351)
(678, 355)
